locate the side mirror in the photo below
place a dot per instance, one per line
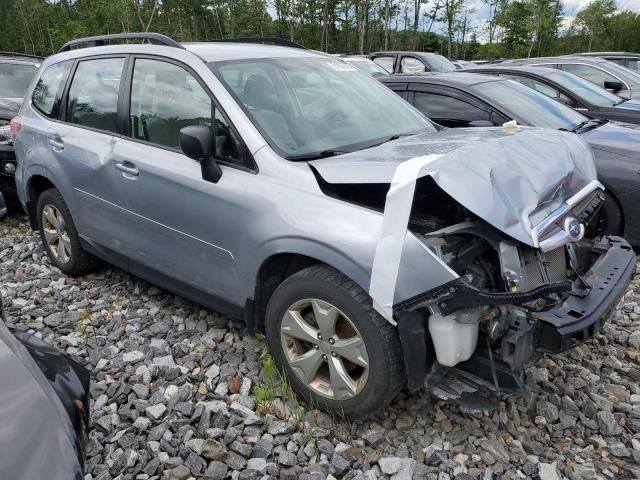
(481, 123)
(613, 85)
(196, 142)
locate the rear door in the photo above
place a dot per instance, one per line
(187, 233)
(83, 142)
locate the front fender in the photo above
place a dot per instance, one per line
(420, 269)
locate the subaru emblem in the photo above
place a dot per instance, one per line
(574, 228)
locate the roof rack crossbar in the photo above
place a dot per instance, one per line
(280, 42)
(100, 40)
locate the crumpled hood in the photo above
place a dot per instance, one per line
(9, 107)
(511, 178)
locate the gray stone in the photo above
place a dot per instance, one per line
(216, 471)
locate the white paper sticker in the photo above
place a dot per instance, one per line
(342, 67)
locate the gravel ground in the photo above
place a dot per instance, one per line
(178, 391)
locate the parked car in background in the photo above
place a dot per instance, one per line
(573, 91)
(44, 408)
(16, 72)
(460, 64)
(274, 166)
(412, 62)
(624, 59)
(365, 65)
(611, 76)
(471, 100)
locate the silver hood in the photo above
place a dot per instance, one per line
(513, 178)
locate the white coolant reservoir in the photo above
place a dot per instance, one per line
(454, 341)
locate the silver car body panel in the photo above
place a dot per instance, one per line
(214, 238)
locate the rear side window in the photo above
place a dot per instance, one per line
(93, 95)
(385, 62)
(49, 86)
(589, 73)
(449, 111)
(164, 99)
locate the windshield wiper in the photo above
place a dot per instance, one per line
(316, 155)
(390, 139)
(594, 122)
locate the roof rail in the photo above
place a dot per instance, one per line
(100, 40)
(14, 54)
(280, 42)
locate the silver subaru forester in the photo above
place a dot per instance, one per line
(376, 249)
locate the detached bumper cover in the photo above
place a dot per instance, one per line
(580, 318)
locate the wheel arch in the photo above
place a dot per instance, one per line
(283, 262)
(36, 184)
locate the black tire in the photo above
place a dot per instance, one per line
(386, 375)
(611, 220)
(80, 262)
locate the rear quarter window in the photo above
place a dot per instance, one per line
(49, 88)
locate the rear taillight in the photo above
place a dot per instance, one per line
(16, 126)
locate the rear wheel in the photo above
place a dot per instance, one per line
(60, 237)
(336, 351)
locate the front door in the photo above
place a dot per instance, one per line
(186, 229)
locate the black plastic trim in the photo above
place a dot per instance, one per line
(100, 40)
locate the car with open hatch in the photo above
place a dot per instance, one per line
(286, 188)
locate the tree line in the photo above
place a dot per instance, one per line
(513, 28)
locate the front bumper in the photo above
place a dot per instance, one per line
(580, 318)
(7, 180)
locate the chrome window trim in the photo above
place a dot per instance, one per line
(586, 64)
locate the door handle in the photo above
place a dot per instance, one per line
(128, 168)
(56, 143)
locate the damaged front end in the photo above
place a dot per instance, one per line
(511, 302)
(511, 218)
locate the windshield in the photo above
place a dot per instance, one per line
(531, 107)
(584, 89)
(307, 106)
(367, 66)
(15, 78)
(439, 63)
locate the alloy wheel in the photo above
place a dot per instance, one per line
(324, 349)
(55, 233)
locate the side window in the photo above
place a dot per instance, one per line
(449, 111)
(589, 73)
(93, 95)
(385, 62)
(543, 88)
(164, 99)
(633, 64)
(49, 86)
(412, 65)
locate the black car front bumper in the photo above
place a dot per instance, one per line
(580, 318)
(7, 180)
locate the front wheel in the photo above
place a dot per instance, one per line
(335, 350)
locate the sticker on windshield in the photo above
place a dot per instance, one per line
(342, 67)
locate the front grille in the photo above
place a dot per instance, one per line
(556, 261)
